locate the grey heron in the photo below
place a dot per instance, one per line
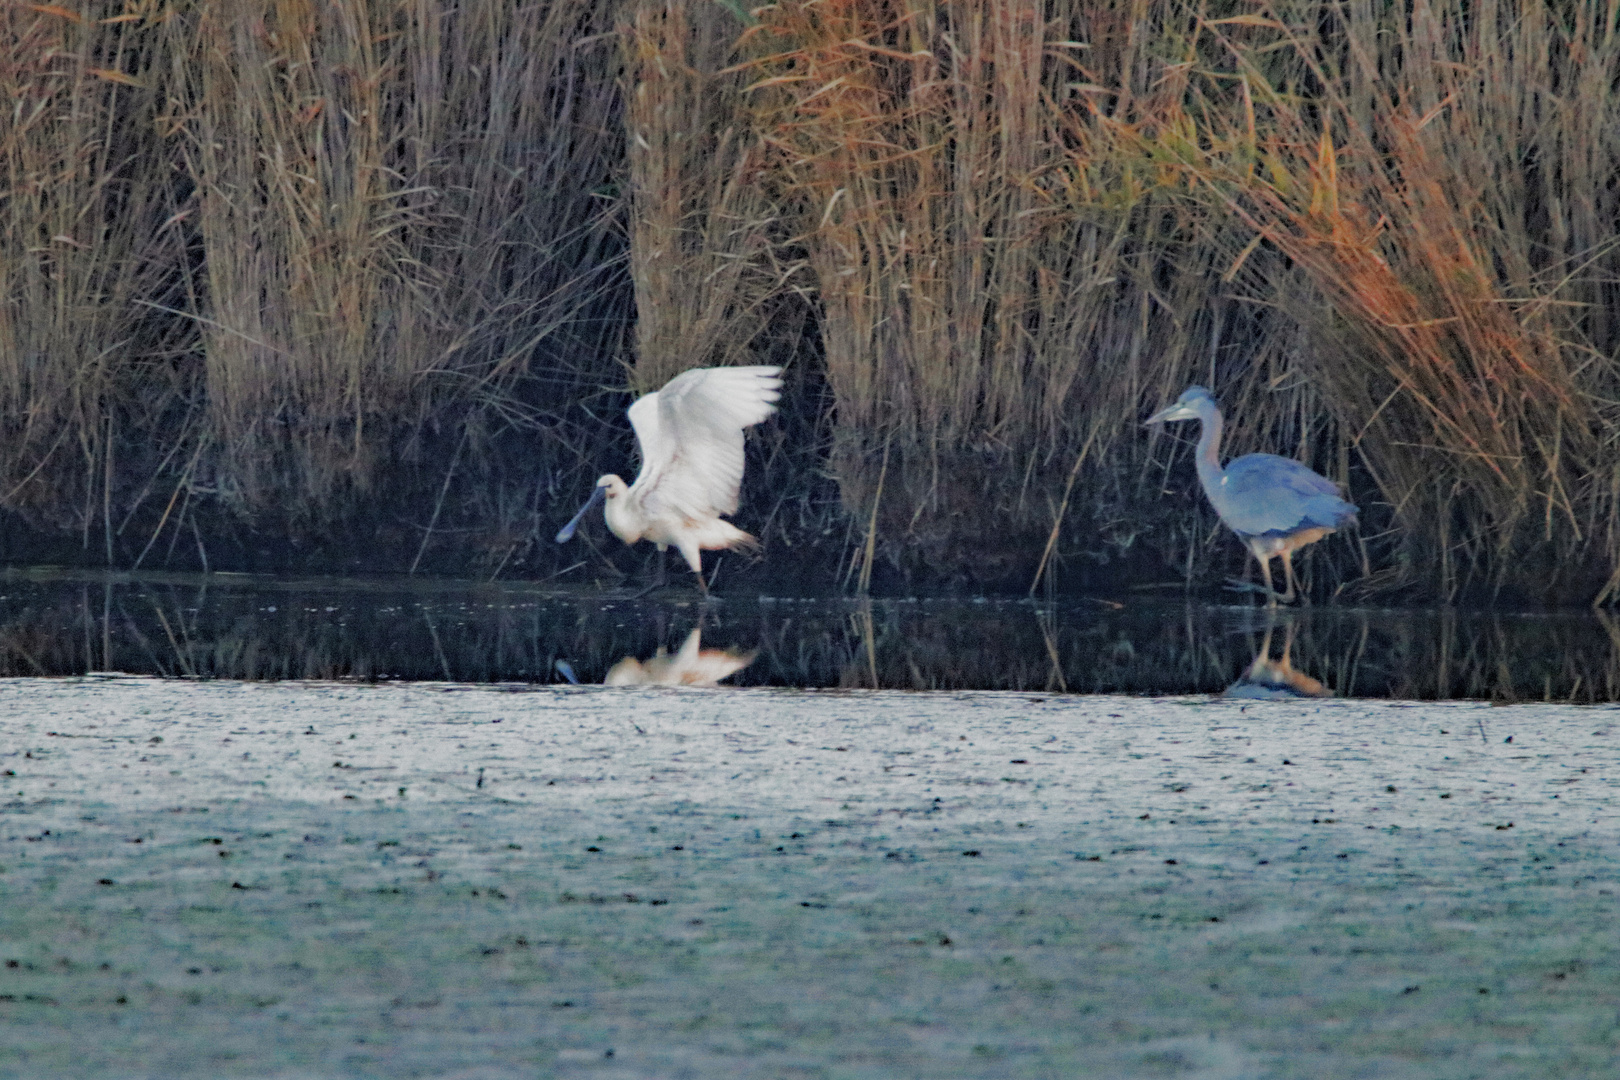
(1275, 505)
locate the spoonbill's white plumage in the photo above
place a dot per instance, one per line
(1275, 505)
(690, 434)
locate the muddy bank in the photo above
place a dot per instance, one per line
(300, 880)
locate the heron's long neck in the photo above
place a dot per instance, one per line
(1209, 448)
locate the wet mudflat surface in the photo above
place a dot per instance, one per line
(316, 879)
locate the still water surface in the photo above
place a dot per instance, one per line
(239, 627)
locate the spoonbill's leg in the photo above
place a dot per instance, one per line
(694, 558)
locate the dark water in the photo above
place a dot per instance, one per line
(225, 626)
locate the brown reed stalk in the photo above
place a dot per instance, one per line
(987, 256)
(398, 203)
(1385, 160)
(705, 255)
(313, 311)
(83, 239)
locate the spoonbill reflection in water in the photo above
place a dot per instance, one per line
(1274, 504)
(691, 665)
(690, 435)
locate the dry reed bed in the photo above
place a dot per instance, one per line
(297, 248)
(385, 268)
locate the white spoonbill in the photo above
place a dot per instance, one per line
(1275, 504)
(690, 435)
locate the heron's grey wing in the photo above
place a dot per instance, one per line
(1264, 493)
(701, 417)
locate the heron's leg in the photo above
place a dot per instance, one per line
(1288, 575)
(1265, 570)
(1243, 584)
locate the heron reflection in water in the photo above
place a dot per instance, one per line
(690, 665)
(1271, 680)
(1275, 505)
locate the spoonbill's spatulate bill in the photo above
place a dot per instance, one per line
(1274, 504)
(690, 435)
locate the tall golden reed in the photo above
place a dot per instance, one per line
(369, 181)
(1383, 240)
(1423, 177)
(258, 255)
(1003, 282)
(86, 234)
(259, 252)
(704, 243)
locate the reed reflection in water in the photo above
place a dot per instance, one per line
(223, 626)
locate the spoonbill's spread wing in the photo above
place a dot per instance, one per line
(1265, 493)
(643, 414)
(691, 437)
